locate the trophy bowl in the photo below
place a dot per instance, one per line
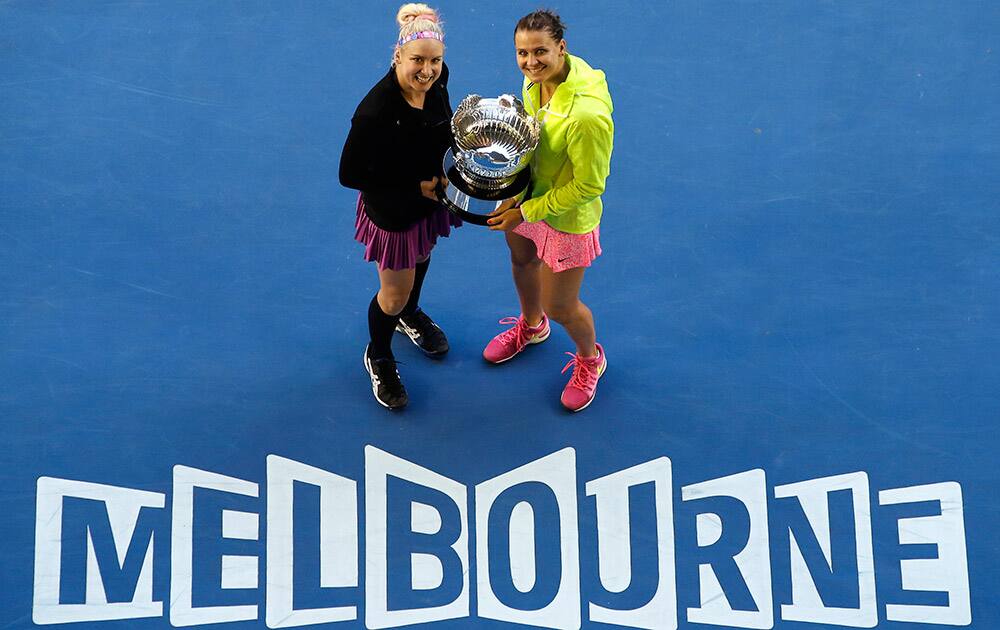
(494, 139)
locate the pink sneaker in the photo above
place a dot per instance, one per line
(582, 386)
(510, 342)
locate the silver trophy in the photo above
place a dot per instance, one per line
(494, 141)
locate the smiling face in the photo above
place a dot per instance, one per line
(539, 56)
(418, 64)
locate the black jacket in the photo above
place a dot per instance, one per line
(392, 147)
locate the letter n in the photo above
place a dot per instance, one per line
(813, 544)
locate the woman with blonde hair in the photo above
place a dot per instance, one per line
(393, 156)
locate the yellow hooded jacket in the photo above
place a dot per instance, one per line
(573, 157)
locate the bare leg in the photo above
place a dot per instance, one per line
(561, 300)
(525, 267)
(394, 289)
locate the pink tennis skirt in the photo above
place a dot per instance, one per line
(562, 250)
(401, 250)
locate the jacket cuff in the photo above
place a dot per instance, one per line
(526, 213)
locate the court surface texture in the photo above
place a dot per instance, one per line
(799, 298)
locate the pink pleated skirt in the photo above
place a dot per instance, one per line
(562, 250)
(401, 250)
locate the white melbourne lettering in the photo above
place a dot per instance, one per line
(94, 548)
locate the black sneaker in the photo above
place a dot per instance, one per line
(388, 389)
(424, 333)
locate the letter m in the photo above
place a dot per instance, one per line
(93, 552)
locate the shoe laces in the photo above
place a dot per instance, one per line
(584, 372)
(420, 320)
(422, 324)
(518, 331)
(386, 370)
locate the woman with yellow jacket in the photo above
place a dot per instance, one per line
(554, 231)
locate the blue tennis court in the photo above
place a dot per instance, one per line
(799, 296)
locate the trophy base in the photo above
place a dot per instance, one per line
(472, 204)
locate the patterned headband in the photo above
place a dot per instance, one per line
(420, 35)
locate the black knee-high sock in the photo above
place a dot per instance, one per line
(418, 281)
(380, 328)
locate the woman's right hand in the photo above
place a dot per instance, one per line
(506, 217)
(429, 188)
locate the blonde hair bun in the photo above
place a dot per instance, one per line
(416, 19)
(416, 11)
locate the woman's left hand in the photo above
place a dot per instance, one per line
(505, 220)
(429, 188)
